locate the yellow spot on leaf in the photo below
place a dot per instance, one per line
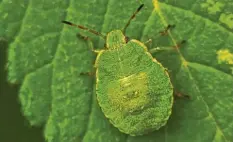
(156, 5)
(227, 19)
(213, 6)
(224, 56)
(184, 63)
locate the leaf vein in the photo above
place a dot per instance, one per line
(210, 68)
(190, 75)
(194, 32)
(55, 53)
(201, 97)
(22, 23)
(50, 61)
(195, 14)
(45, 35)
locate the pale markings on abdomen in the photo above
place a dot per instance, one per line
(129, 94)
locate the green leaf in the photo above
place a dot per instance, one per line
(45, 57)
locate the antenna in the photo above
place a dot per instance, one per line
(132, 17)
(84, 28)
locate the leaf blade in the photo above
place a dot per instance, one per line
(205, 38)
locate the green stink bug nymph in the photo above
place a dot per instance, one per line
(133, 89)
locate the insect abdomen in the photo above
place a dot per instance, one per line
(129, 94)
(137, 96)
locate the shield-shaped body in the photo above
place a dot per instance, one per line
(133, 89)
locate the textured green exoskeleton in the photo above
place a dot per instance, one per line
(133, 89)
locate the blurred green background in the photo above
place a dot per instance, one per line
(13, 125)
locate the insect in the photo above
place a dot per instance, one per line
(133, 89)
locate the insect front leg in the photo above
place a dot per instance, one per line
(92, 48)
(165, 33)
(161, 33)
(89, 42)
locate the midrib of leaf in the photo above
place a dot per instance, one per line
(186, 67)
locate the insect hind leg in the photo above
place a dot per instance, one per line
(180, 95)
(88, 73)
(167, 48)
(161, 33)
(165, 31)
(82, 36)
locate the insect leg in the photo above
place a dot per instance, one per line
(157, 49)
(89, 42)
(148, 41)
(132, 17)
(88, 73)
(167, 48)
(180, 95)
(82, 36)
(91, 46)
(165, 31)
(84, 28)
(161, 33)
(180, 44)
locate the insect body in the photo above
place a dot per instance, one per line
(133, 89)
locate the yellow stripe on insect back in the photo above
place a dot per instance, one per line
(130, 94)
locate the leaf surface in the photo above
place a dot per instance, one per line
(46, 57)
